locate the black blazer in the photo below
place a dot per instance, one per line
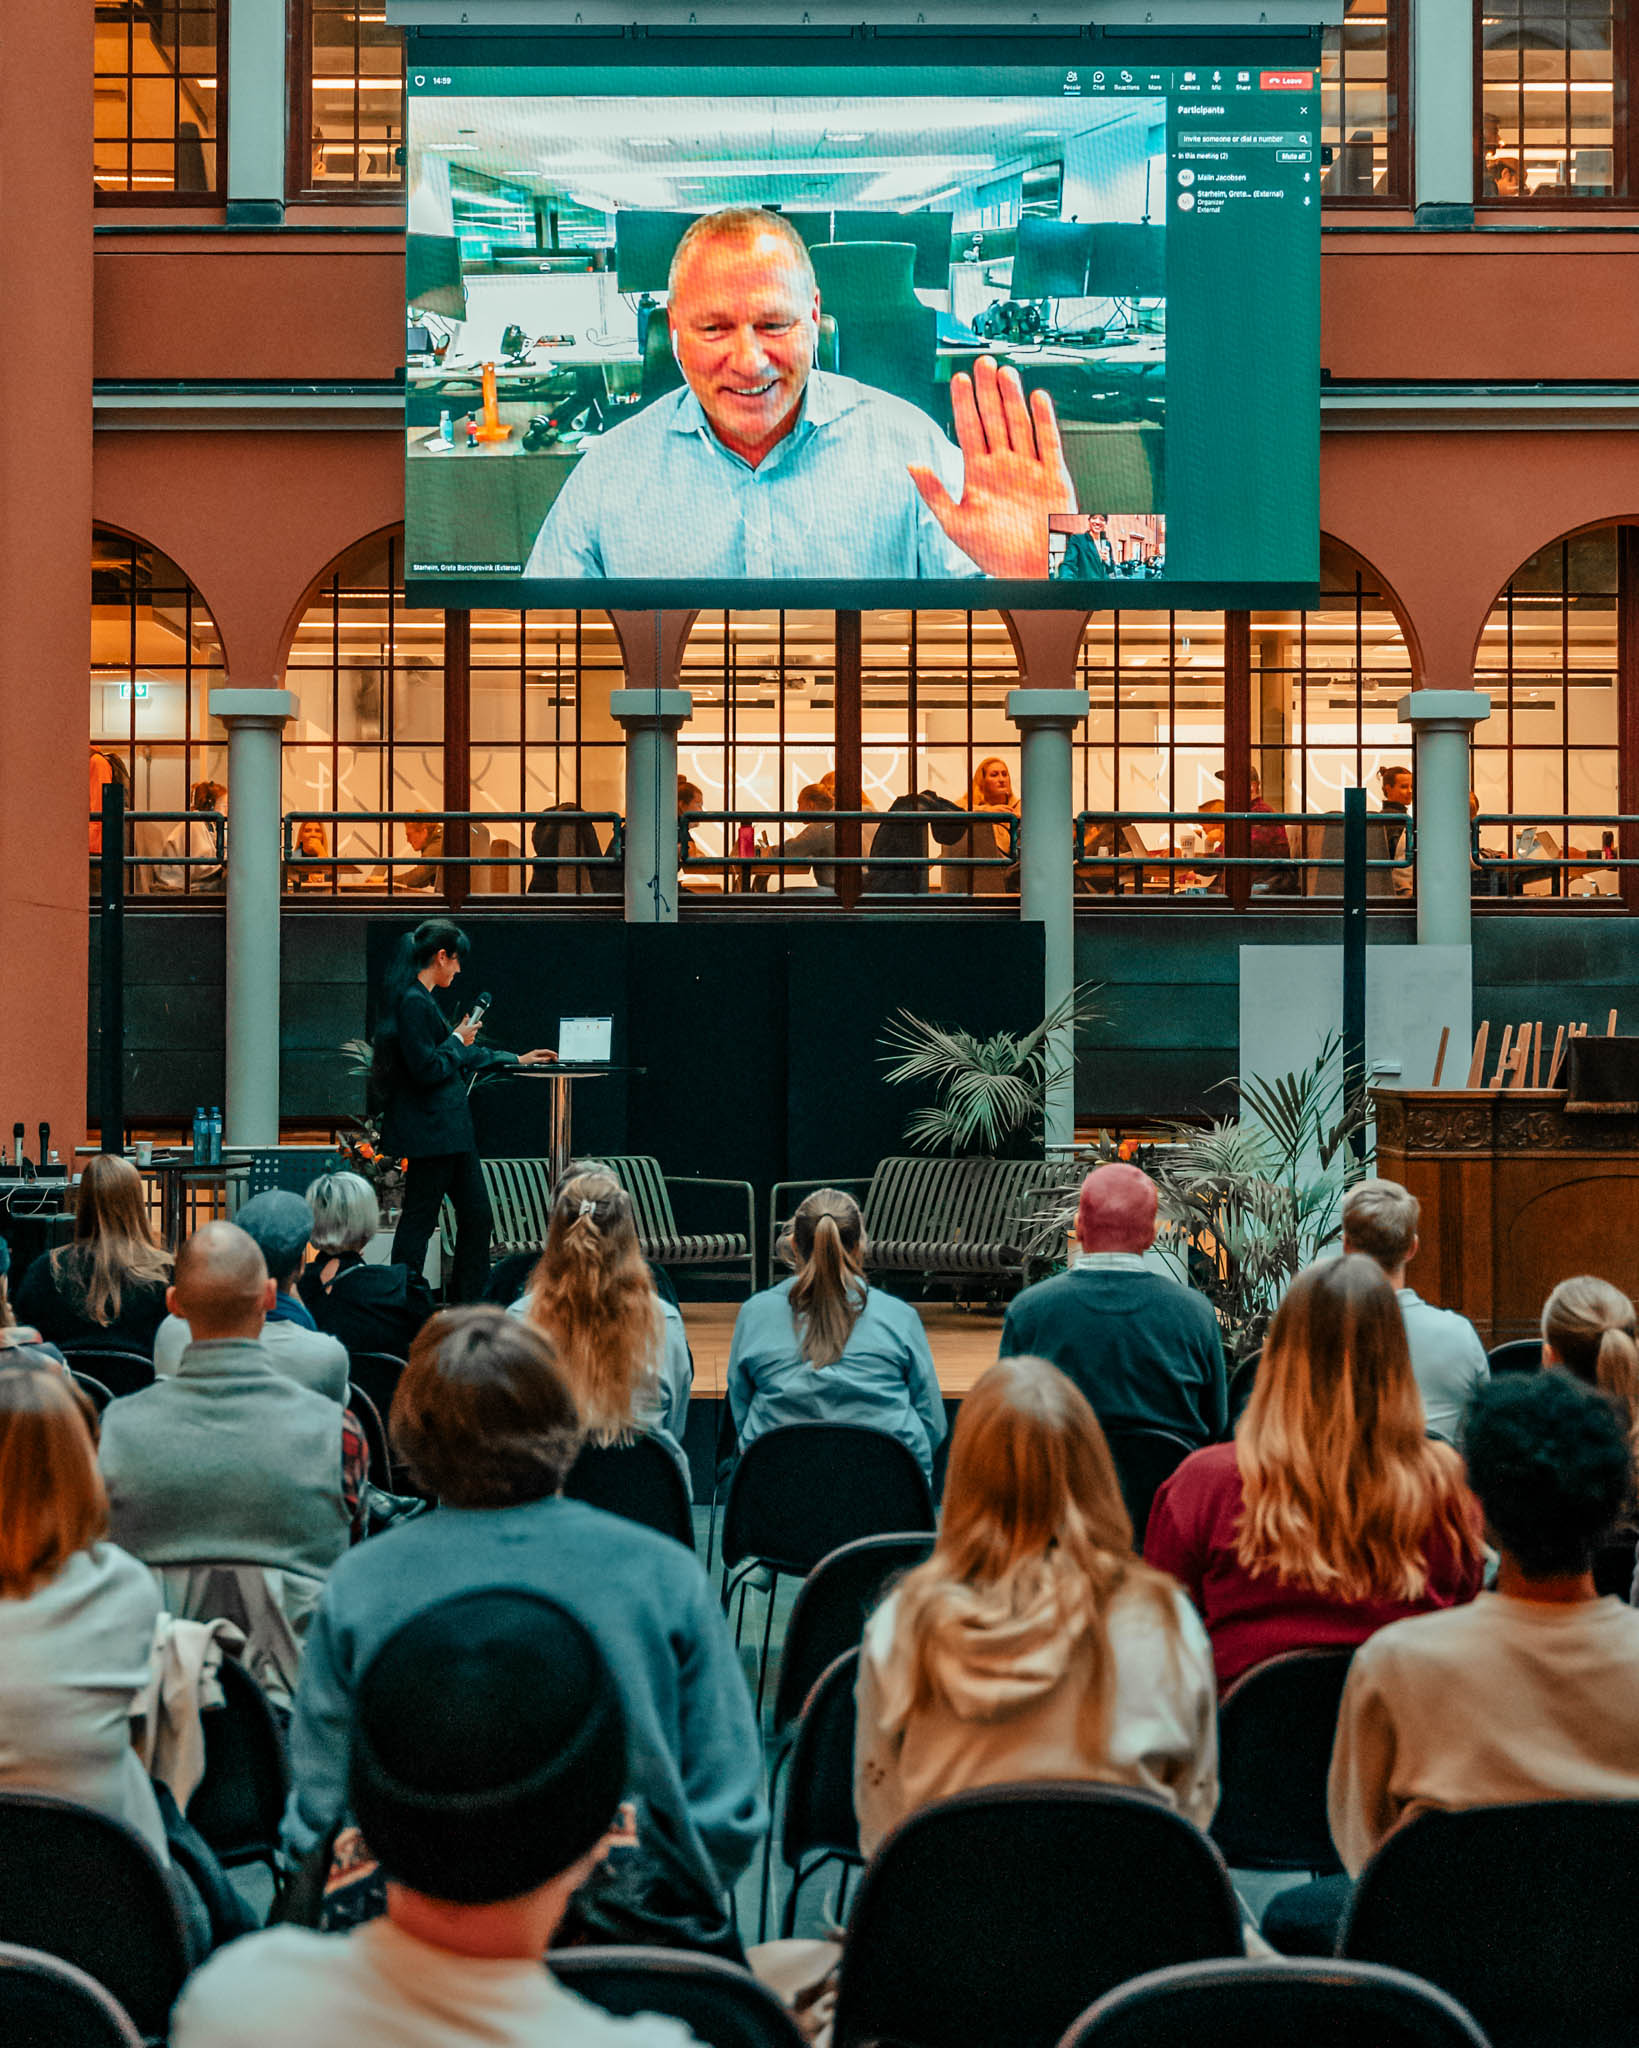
(427, 1109)
(367, 1308)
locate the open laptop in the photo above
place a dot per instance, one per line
(585, 1041)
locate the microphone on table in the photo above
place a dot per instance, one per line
(17, 1131)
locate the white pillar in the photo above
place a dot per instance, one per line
(255, 720)
(256, 100)
(651, 719)
(1047, 877)
(1442, 724)
(1442, 93)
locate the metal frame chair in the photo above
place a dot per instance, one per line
(721, 2005)
(47, 2003)
(1276, 1726)
(640, 1481)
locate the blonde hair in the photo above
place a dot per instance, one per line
(1590, 1325)
(52, 1501)
(1380, 1218)
(114, 1244)
(1033, 1511)
(1342, 1488)
(592, 1293)
(828, 1237)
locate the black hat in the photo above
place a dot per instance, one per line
(489, 1747)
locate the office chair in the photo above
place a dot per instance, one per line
(886, 337)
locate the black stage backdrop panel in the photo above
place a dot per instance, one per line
(846, 980)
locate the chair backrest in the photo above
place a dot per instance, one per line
(376, 1373)
(368, 1417)
(520, 1200)
(1276, 1726)
(1144, 1460)
(88, 1889)
(1528, 1915)
(886, 337)
(722, 2006)
(832, 1606)
(819, 1800)
(47, 2003)
(238, 1803)
(1074, 1887)
(121, 1372)
(646, 1184)
(98, 1395)
(1287, 2004)
(1519, 1354)
(291, 1167)
(640, 1481)
(974, 1201)
(805, 1489)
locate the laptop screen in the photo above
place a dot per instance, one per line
(585, 1041)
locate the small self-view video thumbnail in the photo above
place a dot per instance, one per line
(1100, 547)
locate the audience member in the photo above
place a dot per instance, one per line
(1144, 1350)
(21, 1343)
(1448, 1360)
(488, 1761)
(1333, 1511)
(229, 1459)
(1396, 785)
(106, 1290)
(991, 790)
(1532, 1691)
(364, 1307)
(826, 1347)
(814, 843)
(425, 835)
(1032, 1644)
(620, 1347)
(485, 1421)
(1588, 1329)
(278, 1223)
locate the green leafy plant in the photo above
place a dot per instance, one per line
(988, 1089)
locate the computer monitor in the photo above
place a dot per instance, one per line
(432, 276)
(813, 227)
(645, 243)
(585, 1041)
(1129, 261)
(1051, 259)
(927, 233)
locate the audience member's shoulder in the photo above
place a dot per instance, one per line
(1206, 1474)
(595, 2028)
(1440, 1641)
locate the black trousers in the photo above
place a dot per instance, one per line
(426, 1183)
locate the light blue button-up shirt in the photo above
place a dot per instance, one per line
(660, 496)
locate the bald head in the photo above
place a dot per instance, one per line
(221, 1287)
(1116, 1212)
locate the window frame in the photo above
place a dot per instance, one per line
(299, 187)
(217, 194)
(1624, 129)
(1398, 191)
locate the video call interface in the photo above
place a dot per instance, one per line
(734, 336)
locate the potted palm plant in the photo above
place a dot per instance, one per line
(990, 1093)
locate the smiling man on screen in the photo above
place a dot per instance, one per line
(764, 466)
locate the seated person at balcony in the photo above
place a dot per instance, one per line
(485, 1421)
(1531, 1691)
(420, 1072)
(826, 1347)
(1588, 1330)
(229, 1459)
(991, 790)
(1144, 1350)
(1503, 181)
(1448, 1360)
(488, 1766)
(690, 802)
(106, 1290)
(1333, 1511)
(364, 1307)
(1266, 842)
(1032, 1644)
(789, 470)
(425, 836)
(21, 1343)
(278, 1223)
(620, 1345)
(1396, 785)
(1088, 556)
(312, 846)
(813, 842)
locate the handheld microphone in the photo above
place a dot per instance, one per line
(477, 1013)
(45, 1146)
(17, 1147)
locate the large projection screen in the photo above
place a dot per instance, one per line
(688, 326)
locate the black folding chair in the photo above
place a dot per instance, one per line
(94, 1390)
(1276, 1725)
(377, 1373)
(828, 1619)
(819, 1826)
(1527, 1915)
(1276, 2005)
(47, 2003)
(121, 1372)
(89, 1890)
(238, 1804)
(721, 2005)
(998, 1916)
(1144, 1460)
(804, 1490)
(368, 1417)
(1519, 1354)
(640, 1481)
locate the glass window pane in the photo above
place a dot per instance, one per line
(157, 90)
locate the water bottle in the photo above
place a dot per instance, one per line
(446, 428)
(201, 1143)
(216, 1137)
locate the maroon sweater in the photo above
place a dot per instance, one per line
(1251, 1616)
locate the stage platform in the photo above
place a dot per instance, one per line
(964, 1343)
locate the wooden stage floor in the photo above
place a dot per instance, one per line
(964, 1343)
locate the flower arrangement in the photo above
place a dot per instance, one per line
(360, 1143)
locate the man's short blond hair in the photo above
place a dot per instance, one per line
(1380, 1219)
(739, 224)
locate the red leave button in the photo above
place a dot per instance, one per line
(1286, 81)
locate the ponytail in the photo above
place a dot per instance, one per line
(828, 1293)
(1590, 1325)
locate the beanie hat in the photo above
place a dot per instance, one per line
(281, 1223)
(489, 1747)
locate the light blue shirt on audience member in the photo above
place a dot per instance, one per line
(885, 1378)
(660, 496)
(1448, 1361)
